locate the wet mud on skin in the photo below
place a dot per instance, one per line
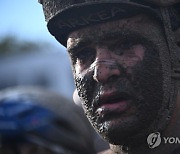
(145, 84)
(147, 111)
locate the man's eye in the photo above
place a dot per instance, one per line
(127, 45)
(86, 55)
(124, 47)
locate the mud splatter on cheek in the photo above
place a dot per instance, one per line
(148, 77)
(89, 93)
(83, 85)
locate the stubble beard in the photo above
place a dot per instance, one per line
(145, 87)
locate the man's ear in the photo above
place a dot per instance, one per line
(76, 98)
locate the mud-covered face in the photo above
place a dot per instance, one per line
(118, 74)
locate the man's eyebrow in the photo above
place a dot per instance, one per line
(80, 43)
(83, 42)
(99, 39)
(113, 36)
(123, 36)
(87, 40)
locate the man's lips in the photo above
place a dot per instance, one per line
(118, 106)
(113, 104)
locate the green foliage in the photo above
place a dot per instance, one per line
(10, 44)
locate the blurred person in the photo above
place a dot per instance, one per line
(37, 121)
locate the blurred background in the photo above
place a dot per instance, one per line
(29, 55)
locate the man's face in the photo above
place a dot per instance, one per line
(119, 77)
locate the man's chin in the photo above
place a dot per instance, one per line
(127, 132)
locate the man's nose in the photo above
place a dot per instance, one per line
(105, 66)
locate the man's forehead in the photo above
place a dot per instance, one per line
(109, 30)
